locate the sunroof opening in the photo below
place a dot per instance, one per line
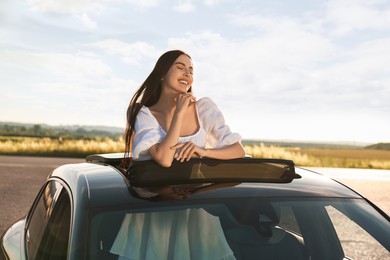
(149, 173)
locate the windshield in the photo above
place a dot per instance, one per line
(244, 228)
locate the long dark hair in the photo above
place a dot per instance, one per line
(149, 93)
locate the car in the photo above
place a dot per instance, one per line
(247, 208)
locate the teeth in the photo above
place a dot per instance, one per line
(183, 81)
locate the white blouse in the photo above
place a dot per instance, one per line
(212, 133)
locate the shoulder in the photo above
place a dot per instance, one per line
(145, 118)
(208, 112)
(205, 100)
(205, 103)
(144, 112)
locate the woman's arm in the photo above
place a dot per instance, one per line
(162, 152)
(228, 152)
(189, 150)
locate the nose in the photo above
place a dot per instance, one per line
(187, 72)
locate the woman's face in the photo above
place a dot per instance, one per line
(180, 76)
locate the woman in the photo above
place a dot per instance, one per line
(166, 122)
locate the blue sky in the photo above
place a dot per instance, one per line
(279, 70)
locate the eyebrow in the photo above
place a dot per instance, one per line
(181, 63)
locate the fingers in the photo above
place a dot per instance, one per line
(188, 96)
(186, 152)
(185, 99)
(176, 146)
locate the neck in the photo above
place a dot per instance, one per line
(166, 102)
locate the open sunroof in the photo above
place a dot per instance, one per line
(149, 173)
(202, 170)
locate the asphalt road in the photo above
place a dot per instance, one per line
(22, 177)
(20, 180)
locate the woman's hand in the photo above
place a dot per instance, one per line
(183, 101)
(188, 150)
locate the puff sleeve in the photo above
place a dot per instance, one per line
(147, 133)
(218, 133)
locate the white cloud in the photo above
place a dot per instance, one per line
(82, 6)
(131, 53)
(347, 16)
(254, 21)
(73, 65)
(184, 6)
(63, 6)
(359, 79)
(339, 17)
(61, 65)
(211, 2)
(86, 20)
(369, 60)
(146, 4)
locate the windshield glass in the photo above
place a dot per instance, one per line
(244, 228)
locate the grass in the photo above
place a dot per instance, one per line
(315, 157)
(325, 157)
(352, 158)
(58, 147)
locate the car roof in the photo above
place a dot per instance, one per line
(105, 185)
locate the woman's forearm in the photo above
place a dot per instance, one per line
(228, 152)
(162, 152)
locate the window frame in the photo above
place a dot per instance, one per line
(61, 195)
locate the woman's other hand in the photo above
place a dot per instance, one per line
(188, 150)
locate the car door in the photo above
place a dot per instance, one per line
(48, 223)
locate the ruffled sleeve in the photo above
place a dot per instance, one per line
(147, 133)
(218, 133)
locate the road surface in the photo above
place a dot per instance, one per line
(20, 180)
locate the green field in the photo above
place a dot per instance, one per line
(302, 156)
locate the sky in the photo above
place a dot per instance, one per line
(279, 70)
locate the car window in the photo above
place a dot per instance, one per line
(355, 241)
(237, 229)
(338, 228)
(287, 220)
(49, 224)
(161, 233)
(243, 228)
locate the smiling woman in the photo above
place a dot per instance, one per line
(167, 122)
